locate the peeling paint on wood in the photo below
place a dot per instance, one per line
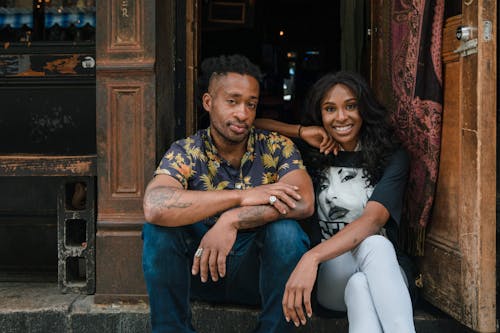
(35, 165)
(63, 65)
(26, 65)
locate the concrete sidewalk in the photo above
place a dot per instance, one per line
(41, 308)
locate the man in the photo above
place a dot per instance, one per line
(223, 205)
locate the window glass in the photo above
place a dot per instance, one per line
(27, 21)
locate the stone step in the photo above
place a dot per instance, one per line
(41, 308)
(209, 318)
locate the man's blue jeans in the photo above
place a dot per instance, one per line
(258, 267)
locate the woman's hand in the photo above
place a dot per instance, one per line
(317, 137)
(297, 296)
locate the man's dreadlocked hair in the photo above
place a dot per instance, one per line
(224, 64)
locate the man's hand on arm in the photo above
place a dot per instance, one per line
(167, 203)
(219, 240)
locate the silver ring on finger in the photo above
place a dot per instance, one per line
(272, 199)
(198, 252)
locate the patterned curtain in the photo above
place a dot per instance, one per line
(415, 67)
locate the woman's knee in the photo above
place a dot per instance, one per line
(356, 288)
(377, 244)
(356, 282)
(376, 254)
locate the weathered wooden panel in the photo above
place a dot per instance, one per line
(44, 165)
(52, 65)
(192, 55)
(125, 135)
(447, 201)
(44, 118)
(125, 140)
(126, 27)
(380, 42)
(469, 226)
(451, 44)
(486, 187)
(460, 259)
(33, 240)
(126, 106)
(129, 29)
(133, 63)
(118, 265)
(443, 282)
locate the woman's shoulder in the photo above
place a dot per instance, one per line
(397, 167)
(401, 157)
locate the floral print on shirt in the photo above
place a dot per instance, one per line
(196, 164)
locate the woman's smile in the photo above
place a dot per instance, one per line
(342, 129)
(341, 117)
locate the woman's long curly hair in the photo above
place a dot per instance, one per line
(377, 138)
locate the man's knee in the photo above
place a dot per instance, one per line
(286, 231)
(158, 237)
(286, 238)
(158, 242)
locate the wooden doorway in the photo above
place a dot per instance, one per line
(459, 265)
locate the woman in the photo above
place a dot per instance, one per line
(359, 195)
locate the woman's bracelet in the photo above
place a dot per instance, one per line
(300, 131)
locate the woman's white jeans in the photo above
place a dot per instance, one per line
(370, 285)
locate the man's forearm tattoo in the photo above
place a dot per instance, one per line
(251, 217)
(166, 197)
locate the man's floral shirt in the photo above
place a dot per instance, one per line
(196, 164)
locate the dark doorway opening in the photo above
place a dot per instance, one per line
(293, 42)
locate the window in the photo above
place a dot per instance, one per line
(26, 21)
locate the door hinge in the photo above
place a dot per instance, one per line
(487, 31)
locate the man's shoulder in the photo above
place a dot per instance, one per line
(192, 141)
(265, 136)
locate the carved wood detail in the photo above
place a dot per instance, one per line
(125, 142)
(126, 26)
(125, 145)
(128, 74)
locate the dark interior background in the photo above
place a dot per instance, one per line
(307, 47)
